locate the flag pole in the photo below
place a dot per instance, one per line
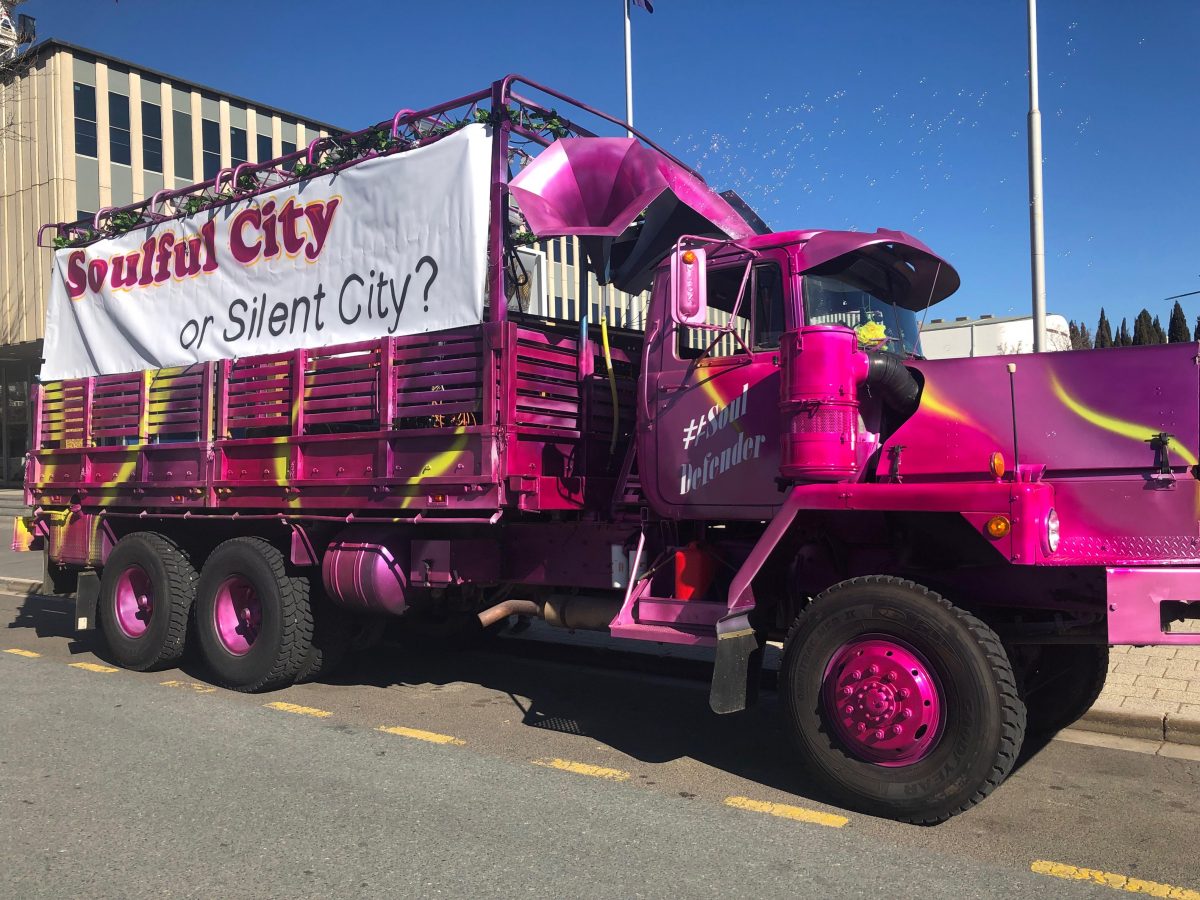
(1037, 237)
(628, 69)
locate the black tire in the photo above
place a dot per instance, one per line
(983, 722)
(1061, 684)
(282, 638)
(162, 566)
(334, 631)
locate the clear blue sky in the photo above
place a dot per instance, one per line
(847, 114)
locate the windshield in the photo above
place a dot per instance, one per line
(828, 300)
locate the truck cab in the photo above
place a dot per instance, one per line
(709, 400)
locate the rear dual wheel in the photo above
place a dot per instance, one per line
(253, 616)
(146, 592)
(900, 703)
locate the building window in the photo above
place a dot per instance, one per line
(264, 147)
(82, 214)
(151, 137)
(210, 134)
(85, 119)
(237, 146)
(288, 147)
(181, 124)
(118, 129)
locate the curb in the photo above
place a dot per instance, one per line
(20, 585)
(1111, 718)
(1182, 730)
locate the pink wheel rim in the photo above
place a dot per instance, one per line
(883, 701)
(237, 615)
(134, 601)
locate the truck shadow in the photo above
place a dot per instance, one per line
(654, 709)
(50, 617)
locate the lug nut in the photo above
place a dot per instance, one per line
(847, 691)
(880, 734)
(891, 676)
(902, 693)
(856, 675)
(848, 709)
(862, 726)
(873, 670)
(897, 729)
(906, 713)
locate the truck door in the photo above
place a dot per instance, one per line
(715, 399)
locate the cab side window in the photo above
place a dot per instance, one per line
(760, 317)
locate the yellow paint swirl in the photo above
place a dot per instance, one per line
(1132, 430)
(441, 463)
(933, 402)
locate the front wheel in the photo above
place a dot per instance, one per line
(900, 703)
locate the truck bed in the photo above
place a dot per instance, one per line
(456, 423)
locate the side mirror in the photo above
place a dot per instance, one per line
(689, 287)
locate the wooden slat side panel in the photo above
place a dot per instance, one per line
(439, 385)
(341, 389)
(546, 381)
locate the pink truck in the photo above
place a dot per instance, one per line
(292, 401)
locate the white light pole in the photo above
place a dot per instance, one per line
(1037, 236)
(628, 69)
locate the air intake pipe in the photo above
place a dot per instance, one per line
(822, 372)
(889, 377)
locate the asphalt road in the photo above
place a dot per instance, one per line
(519, 769)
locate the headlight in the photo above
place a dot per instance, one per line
(1053, 533)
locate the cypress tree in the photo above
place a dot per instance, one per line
(1177, 330)
(1073, 331)
(1160, 336)
(1123, 337)
(1103, 332)
(1085, 336)
(1143, 329)
(1196, 333)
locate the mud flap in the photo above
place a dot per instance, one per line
(86, 598)
(736, 671)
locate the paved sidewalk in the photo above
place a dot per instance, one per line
(1151, 692)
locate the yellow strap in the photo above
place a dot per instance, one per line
(612, 378)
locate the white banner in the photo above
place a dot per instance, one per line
(396, 245)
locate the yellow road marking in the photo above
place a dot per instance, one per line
(1113, 880)
(93, 667)
(299, 710)
(189, 686)
(431, 736)
(17, 651)
(579, 768)
(798, 813)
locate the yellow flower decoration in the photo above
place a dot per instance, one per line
(871, 334)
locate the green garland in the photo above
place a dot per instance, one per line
(376, 141)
